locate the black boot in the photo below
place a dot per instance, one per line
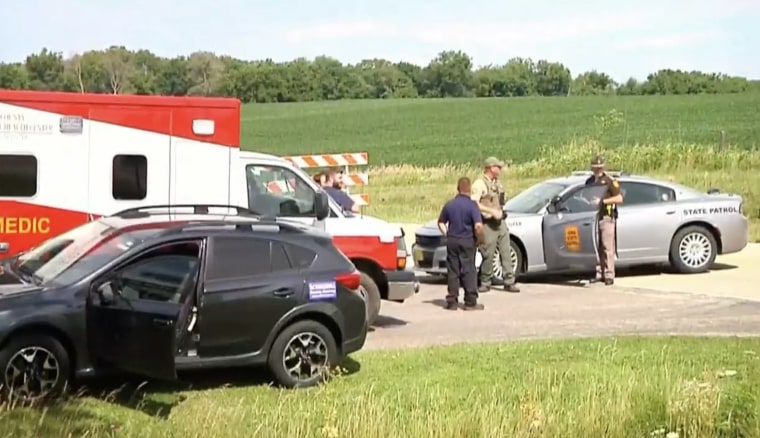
(473, 306)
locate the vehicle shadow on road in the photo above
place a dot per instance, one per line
(385, 321)
(157, 398)
(646, 270)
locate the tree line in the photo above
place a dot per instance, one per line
(117, 70)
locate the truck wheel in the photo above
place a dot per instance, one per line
(693, 250)
(35, 367)
(371, 294)
(303, 355)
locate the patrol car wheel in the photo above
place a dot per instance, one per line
(371, 293)
(303, 355)
(35, 368)
(693, 250)
(514, 253)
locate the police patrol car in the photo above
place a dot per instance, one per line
(553, 227)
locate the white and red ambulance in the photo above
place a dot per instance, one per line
(66, 158)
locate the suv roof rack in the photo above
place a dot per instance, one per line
(267, 226)
(144, 210)
(615, 173)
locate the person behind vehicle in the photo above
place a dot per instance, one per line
(606, 238)
(338, 195)
(319, 178)
(488, 193)
(460, 221)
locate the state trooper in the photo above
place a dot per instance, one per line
(489, 194)
(606, 237)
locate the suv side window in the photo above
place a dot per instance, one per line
(278, 191)
(165, 274)
(639, 193)
(243, 256)
(581, 199)
(300, 257)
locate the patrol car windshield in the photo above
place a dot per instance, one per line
(535, 198)
(70, 256)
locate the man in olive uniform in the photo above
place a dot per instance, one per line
(488, 192)
(606, 238)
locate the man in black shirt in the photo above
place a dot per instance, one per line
(461, 222)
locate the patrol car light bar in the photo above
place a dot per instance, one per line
(615, 173)
(196, 209)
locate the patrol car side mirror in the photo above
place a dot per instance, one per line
(321, 205)
(553, 206)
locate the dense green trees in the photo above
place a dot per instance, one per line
(450, 74)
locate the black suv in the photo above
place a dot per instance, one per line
(153, 290)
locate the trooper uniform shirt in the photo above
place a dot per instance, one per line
(490, 193)
(613, 189)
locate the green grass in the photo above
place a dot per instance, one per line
(627, 387)
(431, 132)
(426, 189)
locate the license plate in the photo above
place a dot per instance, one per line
(418, 255)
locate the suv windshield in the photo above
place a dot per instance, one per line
(534, 198)
(70, 256)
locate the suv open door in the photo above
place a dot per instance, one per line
(136, 336)
(570, 230)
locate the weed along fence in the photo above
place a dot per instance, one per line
(349, 164)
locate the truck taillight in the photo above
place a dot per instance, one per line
(350, 280)
(401, 253)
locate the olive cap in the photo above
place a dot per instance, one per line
(493, 161)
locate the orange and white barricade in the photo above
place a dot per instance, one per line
(346, 162)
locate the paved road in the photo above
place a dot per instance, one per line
(560, 310)
(733, 275)
(725, 301)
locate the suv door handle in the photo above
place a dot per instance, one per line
(162, 322)
(4, 247)
(586, 224)
(284, 292)
(670, 212)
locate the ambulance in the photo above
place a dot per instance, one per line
(67, 158)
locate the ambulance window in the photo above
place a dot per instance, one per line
(18, 176)
(130, 177)
(278, 191)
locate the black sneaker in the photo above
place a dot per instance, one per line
(609, 282)
(451, 306)
(474, 307)
(511, 288)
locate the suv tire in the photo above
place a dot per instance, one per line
(289, 345)
(43, 358)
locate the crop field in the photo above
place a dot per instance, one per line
(427, 132)
(627, 387)
(418, 148)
